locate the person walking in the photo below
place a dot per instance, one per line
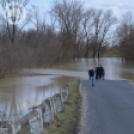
(91, 75)
(99, 72)
(102, 73)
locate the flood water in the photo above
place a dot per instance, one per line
(19, 93)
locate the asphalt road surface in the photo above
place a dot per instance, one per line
(108, 107)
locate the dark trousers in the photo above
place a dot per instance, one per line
(92, 78)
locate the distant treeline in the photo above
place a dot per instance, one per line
(73, 31)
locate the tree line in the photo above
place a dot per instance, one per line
(73, 31)
(125, 37)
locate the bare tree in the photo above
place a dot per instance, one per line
(34, 16)
(124, 33)
(127, 46)
(14, 15)
(125, 26)
(68, 15)
(87, 23)
(102, 23)
(13, 11)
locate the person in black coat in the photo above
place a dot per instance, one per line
(102, 73)
(99, 72)
(91, 75)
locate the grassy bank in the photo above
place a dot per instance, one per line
(64, 121)
(26, 130)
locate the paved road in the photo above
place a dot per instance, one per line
(108, 108)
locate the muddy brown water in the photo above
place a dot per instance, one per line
(18, 94)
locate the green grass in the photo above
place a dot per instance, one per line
(64, 121)
(26, 130)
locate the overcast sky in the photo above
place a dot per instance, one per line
(117, 6)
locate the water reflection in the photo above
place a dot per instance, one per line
(114, 67)
(21, 93)
(18, 94)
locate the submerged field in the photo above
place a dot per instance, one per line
(65, 121)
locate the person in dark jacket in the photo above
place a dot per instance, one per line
(99, 72)
(102, 73)
(96, 73)
(91, 75)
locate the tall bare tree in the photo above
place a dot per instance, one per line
(127, 46)
(87, 23)
(124, 33)
(101, 25)
(68, 15)
(34, 16)
(13, 11)
(125, 26)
